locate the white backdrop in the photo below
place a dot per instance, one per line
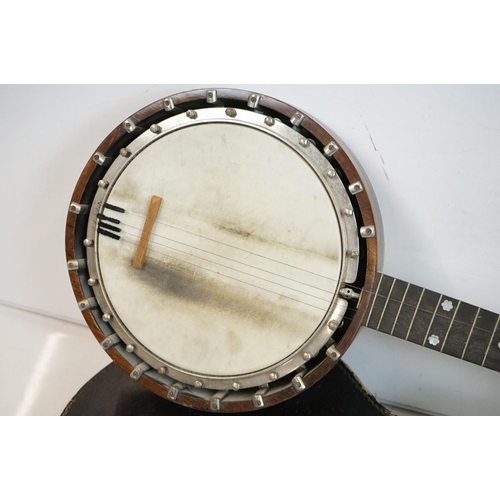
(431, 153)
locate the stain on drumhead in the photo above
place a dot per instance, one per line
(169, 278)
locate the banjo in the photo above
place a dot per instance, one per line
(225, 250)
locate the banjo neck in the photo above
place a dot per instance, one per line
(435, 321)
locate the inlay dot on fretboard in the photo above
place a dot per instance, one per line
(433, 340)
(447, 305)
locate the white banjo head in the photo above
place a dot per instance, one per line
(217, 250)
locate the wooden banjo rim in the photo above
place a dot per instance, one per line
(366, 217)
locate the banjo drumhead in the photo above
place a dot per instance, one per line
(213, 246)
(244, 258)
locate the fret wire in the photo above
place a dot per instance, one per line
(491, 340)
(432, 320)
(470, 333)
(449, 327)
(399, 309)
(386, 302)
(414, 314)
(401, 304)
(374, 298)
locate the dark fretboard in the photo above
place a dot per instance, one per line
(436, 321)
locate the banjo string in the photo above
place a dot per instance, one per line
(228, 245)
(224, 257)
(233, 260)
(230, 277)
(357, 289)
(218, 264)
(227, 267)
(300, 301)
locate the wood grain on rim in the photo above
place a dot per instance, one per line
(367, 216)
